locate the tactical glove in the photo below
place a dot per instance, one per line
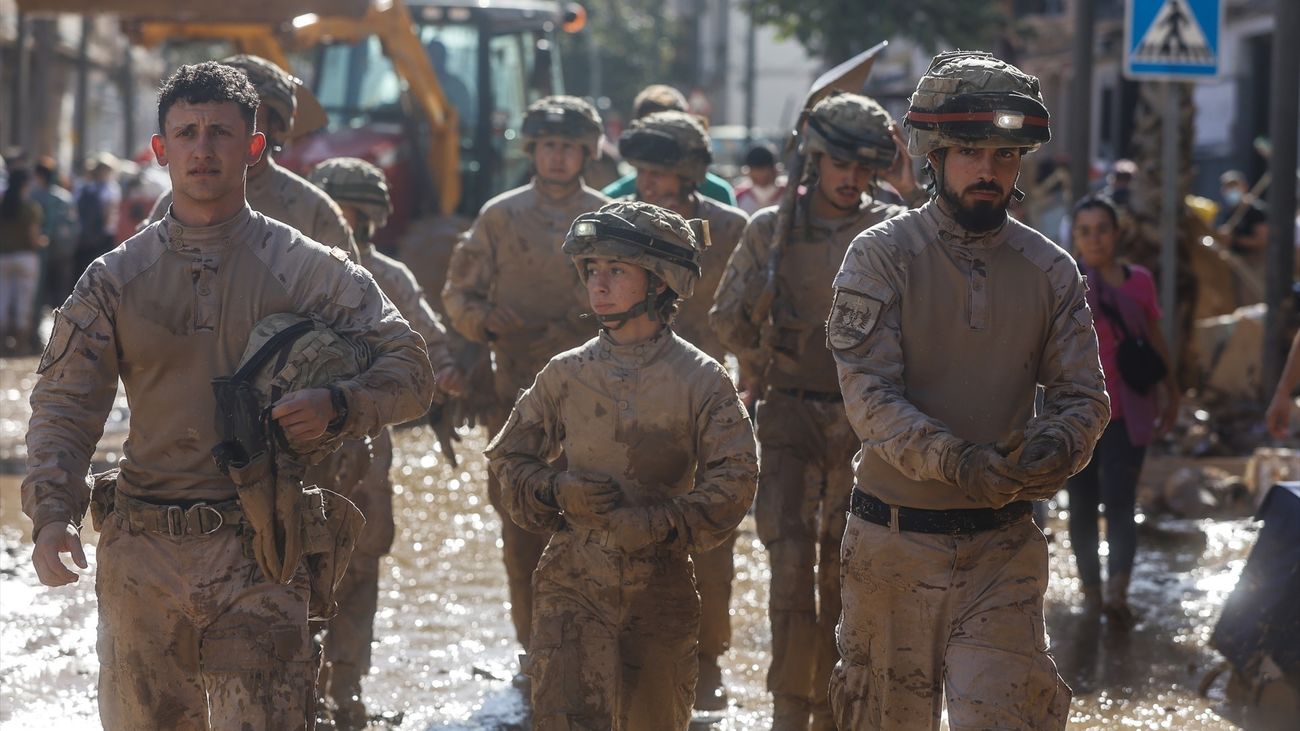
(585, 496)
(632, 529)
(1047, 463)
(986, 475)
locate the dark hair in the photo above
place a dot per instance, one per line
(44, 170)
(208, 82)
(760, 156)
(665, 304)
(13, 200)
(1096, 202)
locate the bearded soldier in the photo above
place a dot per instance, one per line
(945, 321)
(510, 286)
(671, 153)
(660, 463)
(361, 191)
(192, 631)
(805, 438)
(271, 190)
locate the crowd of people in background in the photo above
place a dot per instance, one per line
(51, 228)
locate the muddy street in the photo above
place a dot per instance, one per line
(445, 653)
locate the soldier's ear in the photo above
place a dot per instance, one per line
(159, 147)
(256, 147)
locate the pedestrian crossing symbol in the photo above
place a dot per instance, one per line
(1172, 39)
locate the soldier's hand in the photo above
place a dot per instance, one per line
(581, 494)
(1046, 459)
(900, 174)
(502, 320)
(451, 380)
(986, 474)
(304, 415)
(1045, 464)
(54, 539)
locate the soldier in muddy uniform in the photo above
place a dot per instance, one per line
(510, 286)
(945, 321)
(661, 463)
(361, 191)
(270, 189)
(671, 154)
(807, 442)
(191, 634)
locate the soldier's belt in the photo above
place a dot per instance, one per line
(177, 520)
(804, 394)
(946, 522)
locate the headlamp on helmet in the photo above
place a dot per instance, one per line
(998, 116)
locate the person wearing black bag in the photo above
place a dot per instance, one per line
(1134, 357)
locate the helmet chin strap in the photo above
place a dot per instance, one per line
(616, 320)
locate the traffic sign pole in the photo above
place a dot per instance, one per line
(1169, 219)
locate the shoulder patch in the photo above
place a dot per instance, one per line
(338, 253)
(853, 317)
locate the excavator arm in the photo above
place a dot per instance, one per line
(395, 29)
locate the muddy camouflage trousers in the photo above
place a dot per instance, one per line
(614, 638)
(192, 636)
(932, 617)
(804, 481)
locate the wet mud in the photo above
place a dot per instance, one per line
(445, 657)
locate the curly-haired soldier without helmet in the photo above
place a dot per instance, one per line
(509, 287)
(850, 141)
(661, 463)
(272, 190)
(192, 633)
(946, 319)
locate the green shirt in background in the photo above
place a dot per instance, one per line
(714, 187)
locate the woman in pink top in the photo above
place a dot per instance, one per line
(1126, 292)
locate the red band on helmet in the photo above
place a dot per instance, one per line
(935, 118)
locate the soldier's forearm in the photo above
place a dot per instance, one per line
(397, 387)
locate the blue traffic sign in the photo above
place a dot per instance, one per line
(1176, 40)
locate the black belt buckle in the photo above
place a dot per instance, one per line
(944, 522)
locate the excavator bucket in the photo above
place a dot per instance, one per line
(189, 11)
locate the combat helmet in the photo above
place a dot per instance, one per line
(644, 235)
(850, 127)
(286, 353)
(275, 87)
(355, 182)
(972, 99)
(563, 116)
(675, 142)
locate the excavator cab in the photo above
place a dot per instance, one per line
(491, 60)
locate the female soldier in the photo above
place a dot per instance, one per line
(635, 410)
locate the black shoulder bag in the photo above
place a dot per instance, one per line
(1140, 364)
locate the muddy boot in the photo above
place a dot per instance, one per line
(709, 693)
(789, 713)
(1116, 607)
(1092, 603)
